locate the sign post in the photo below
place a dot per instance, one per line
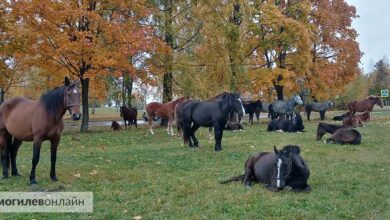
(384, 93)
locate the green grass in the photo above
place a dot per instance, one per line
(157, 178)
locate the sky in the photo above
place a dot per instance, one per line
(373, 27)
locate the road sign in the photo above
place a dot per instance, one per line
(385, 93)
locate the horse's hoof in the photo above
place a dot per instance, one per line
(54, 178)
(16, 174)
(5, 176)
(33, 182)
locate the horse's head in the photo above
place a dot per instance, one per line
(298, 100)
(236, 104)
(329, 104)
(298, 122)
(281, 169)
(320, 131)
(379, 101)
(121, 110)
(72, 98)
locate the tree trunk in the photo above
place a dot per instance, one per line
(279, 88)
(234, 46)
(123, 92)
(128, 81)
(1, 96)
(84, 98)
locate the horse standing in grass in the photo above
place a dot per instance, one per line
(365, 104)
(22, 119)
(277, 170)
(162, 110)
(252, 108)
(209, 114)
(285, 108)
(129, 115)
(320, 107)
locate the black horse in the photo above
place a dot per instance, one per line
(341, 117)
(320, 107)
(252, 108)
(340, 134)
(277, 170)
(129, 115)
(209, 114)
(290, 125)
(232, 126)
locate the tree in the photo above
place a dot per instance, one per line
(380, 77)
(84, 38)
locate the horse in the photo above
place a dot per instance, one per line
(365, 104)
(320, 107)
(352, 121)
(209, 114)
(341, 117)
(278, 107)
(288, 125)
(252, 108)
(324, 128)
(365, 117)
(232, 126)
(129, 115)
(277, 170)
(340, 134)
(264, 108)
(115, 126)
(162, 110)
(22, 119)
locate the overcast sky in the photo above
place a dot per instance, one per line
(373, 27)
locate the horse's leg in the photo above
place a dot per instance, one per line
(194, 139)
(14, 152)
(53, 152)
(308, 114)
(4, 145)
(251, 118)
(218, 132)
(248, 175)
(322, 115)
(36, 152)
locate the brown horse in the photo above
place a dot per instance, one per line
(22, 119)
(365, 105)
(129, 115)
(365, 117)
(352, 121)
(162, 110)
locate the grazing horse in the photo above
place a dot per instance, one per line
(209, 114)
(352, 121)
(278, 107)
(340, 134)
(129, 115)
(115, 126)
(320, 107)
(277, 170)
(162, 110)
(252, 108)
(365, 104)
(22, 119)
(289, 125)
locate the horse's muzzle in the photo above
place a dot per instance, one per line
(76, 117)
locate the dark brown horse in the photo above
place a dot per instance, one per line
(115, 126)
(162, 110)
(22, 119)
(340, 134)
(365, 104)
(129, 115)
(365, 117)
(276, 170)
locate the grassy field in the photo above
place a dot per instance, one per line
(133, 173)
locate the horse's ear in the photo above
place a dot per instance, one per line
(67, 81)
(276, 150)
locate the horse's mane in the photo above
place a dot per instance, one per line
(178, 99)
(53, 100)
(217, 96)
(291, 149)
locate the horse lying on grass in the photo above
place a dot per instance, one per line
(115, 126)
(340, 134)
(289, 125)
(277, 170)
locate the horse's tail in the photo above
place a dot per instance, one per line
(233, 179)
